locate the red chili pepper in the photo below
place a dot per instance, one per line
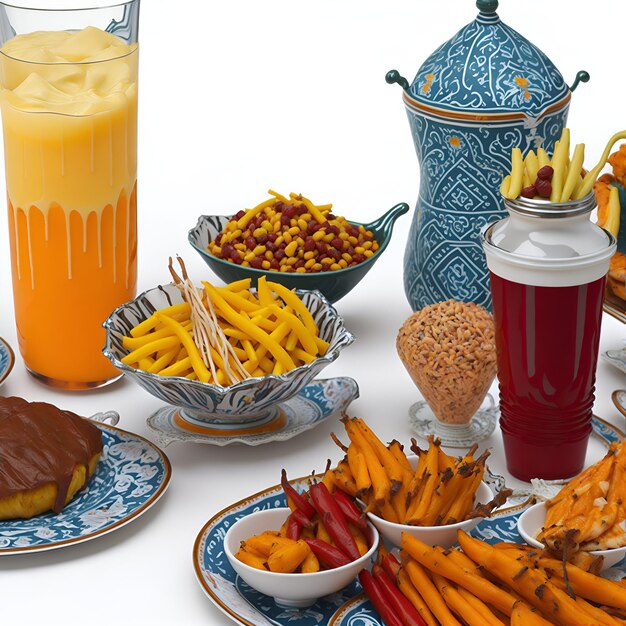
(329, 555)
(334, 520)
(298, 499)
(294, 528)
(378, 599)
(301, 518)
(391, 565)
(350, 509)
(401, 605)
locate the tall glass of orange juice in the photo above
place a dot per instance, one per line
(69, 115)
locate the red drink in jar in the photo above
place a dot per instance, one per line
(548, 264)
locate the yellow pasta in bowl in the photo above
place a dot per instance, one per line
(224, 352)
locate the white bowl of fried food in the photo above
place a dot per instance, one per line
(444, 535)
(288, 589)
(228, 353)
(429, 495)
(587, 515)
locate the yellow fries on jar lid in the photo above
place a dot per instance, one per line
(559, 179)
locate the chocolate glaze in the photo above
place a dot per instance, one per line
(41, 444)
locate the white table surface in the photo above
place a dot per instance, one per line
(236, 98)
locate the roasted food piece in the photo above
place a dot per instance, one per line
(589, 513)
(46, 456)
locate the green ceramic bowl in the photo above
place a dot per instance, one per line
(334, 284)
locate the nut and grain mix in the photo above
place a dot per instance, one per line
(449, 350)
(293, 235)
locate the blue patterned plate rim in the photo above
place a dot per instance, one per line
(488, 530)
(164, 465)
(7, 359)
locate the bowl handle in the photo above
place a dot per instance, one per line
(386, 221)
(112, 417)
(581, 77)
(393, 76)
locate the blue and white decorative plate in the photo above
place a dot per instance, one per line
(315, 403)
(7, 359)
(131, 476)
(348, 607)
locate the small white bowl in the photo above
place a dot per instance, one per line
(531, 521)
(291, 590)
(444, 535)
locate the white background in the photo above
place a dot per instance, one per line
(236, 97)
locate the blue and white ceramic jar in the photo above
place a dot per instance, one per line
(481, 93)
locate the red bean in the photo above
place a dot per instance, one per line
(545, 173)
(334, 254)
(239, 214)
(289, 211)
(250, 243)
(529, 192)
(309, 244)
(337, 243)
(257, 262)
(543, 187)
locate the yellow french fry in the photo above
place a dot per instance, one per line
(573, 175)
(559, 165)
(152, 321)
(531, 166)
(517, 173)
(186, 339)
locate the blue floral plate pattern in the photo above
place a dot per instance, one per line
(131, 476)
(349, 607)
(7, 359)
(315, 403)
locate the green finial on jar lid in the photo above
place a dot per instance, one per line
(487, 6)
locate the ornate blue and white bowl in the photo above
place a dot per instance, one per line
(253, 399)
(483, 92)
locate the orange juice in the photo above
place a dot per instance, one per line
(69, 112)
